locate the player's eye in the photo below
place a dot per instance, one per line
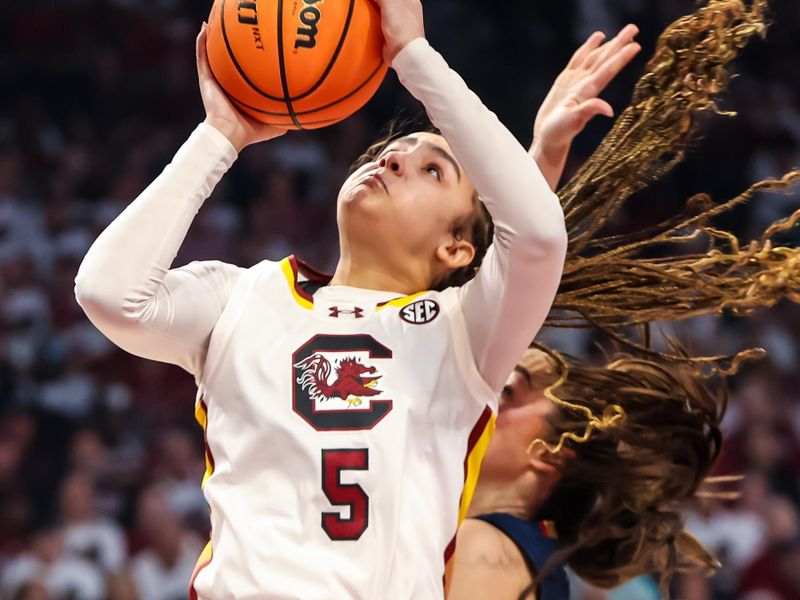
(435, 171)
(508, 391)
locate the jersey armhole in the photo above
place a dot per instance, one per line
(237, 301)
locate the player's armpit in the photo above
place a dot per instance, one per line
(487, 564)
(173, 324)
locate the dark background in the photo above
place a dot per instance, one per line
(100, 460)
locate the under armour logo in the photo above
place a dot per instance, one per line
(356, 311)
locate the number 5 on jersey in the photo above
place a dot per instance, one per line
(351, 495)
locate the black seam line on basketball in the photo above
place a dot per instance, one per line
(308, 112)
(282, 63)
(236, 62)
(336, 53)
(331, 121)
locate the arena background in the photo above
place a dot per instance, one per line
(100, 459)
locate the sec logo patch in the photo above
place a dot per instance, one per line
(420, 312)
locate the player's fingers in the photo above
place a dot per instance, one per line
(611, 47)
(592, 108)
(201, 52)
(592, 43)
(611, 68)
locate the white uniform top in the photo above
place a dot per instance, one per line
(344, 426)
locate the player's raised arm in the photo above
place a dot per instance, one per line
(507, 302)
(125, 284)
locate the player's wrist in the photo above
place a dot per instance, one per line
(234, 132)
(548, 150)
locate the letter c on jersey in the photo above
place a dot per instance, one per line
(316, 379)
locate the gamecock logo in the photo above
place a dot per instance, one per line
(335, 394)
(352, 379)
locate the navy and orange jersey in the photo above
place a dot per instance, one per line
(537, 542)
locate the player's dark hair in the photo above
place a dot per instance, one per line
(643, 436)
(477, 227)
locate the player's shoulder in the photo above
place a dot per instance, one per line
(261, 271)
(210, 267)
(479, 542)
(265, 267)
(448, 299)
(486, 564)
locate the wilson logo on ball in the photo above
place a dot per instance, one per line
(248, 13)
(308, 30)
(420, 312)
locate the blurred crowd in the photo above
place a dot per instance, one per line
(100, 459)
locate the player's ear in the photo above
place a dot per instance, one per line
(455, 252)
(544, 462)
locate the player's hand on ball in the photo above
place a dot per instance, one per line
(221, 114)
(401, 22)
(572, 101)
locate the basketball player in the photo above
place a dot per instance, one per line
(340, 415)
(607, 504)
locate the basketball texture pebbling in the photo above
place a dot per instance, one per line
(300, 64)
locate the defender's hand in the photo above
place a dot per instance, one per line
(572, 102)
(401, 22)
(221, 114)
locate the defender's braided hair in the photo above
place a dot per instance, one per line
(613, 282)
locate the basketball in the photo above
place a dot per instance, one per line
(300, 64)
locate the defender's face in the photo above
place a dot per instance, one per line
(408, 199)
(521, 418)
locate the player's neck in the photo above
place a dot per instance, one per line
(369, 275)
(522, 498)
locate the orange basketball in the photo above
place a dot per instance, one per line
(300, 64)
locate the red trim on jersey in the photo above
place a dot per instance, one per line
(448, 554)
(382, 304)
(474, 436)
(296, 281)
(310, 272)
(450, 550)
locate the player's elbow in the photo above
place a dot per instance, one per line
(544, 232)
(103, 303)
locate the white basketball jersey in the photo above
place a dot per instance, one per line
(344, 433)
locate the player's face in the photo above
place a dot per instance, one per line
(406, 202)
(521, 418)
